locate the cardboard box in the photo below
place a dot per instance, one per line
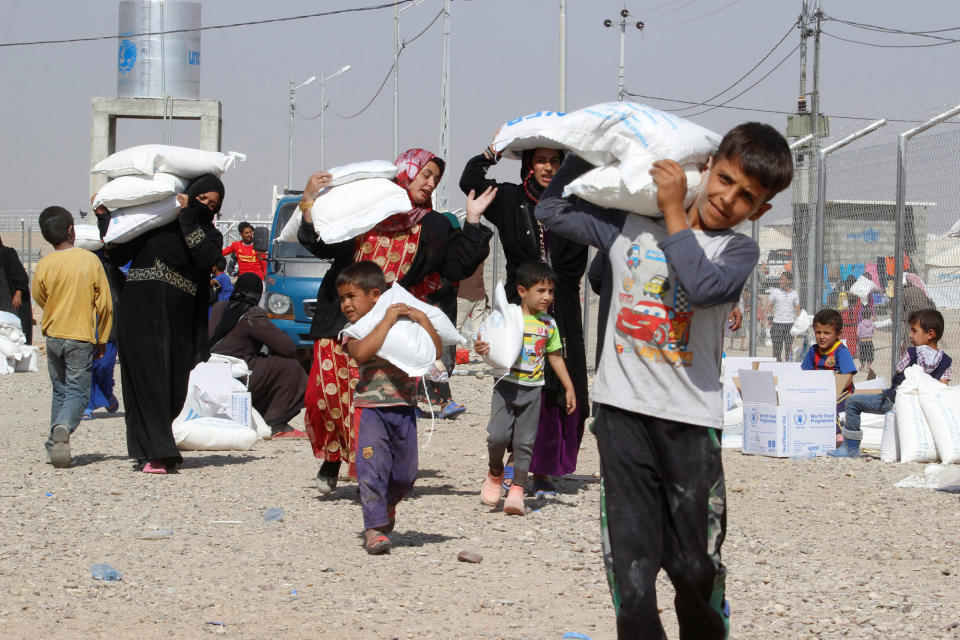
(792, 415)
(730, 365)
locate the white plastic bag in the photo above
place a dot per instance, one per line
(916, 439)
(802, 324)
(344, 212)
(264, 432)
(863, 287)
(935, 476)
(129, 191)
(603, 186)
(503, 330)
(88, 237)
(127, 224)
(148, 159)
(407, 346)
(890, 441)
(631, 134)
(941, 408)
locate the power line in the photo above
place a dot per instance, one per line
(762, 78)
(873, 27)
(891, 46)
(232, 25)
(754, 68)
(665, 13)
(717, 10)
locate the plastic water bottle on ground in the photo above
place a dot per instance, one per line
(274, 514)
(103, 571)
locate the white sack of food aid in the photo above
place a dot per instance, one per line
(8, 319)
(802, 324)
(129, 191)
(29, 359)
(11, 349)
(502, 329)
(126, 224)
(238, 367)
(344, 212)
(13, 334)
(264, 432)
(863, 287)
(603, 186)
(88, 237)
(361, 171)
(890, 441)
(212, 434)
(407, 346)
(628, 134)
(941, 408)
(916, 439)
(148, 159)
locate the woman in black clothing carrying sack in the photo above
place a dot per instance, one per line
(526, 240)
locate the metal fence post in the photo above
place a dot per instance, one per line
(754, 294)
(900, 214)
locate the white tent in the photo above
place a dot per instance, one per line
(943, 274)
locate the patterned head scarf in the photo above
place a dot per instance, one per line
(410, 163)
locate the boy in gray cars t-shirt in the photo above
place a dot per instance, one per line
(672, 283)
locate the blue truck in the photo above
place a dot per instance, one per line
(293, 277)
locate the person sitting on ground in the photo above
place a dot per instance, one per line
(220, 284)
(385, 400)
(515, 409)
(249, 260)
(658, 389)
(926, 329)
(71, 288)
(830, 354)
(240, 328)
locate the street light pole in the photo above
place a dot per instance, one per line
(293, 107)
(323, 103)
(624, 14)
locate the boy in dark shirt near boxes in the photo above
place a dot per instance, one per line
(673, 284)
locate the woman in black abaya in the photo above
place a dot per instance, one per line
(162, 333)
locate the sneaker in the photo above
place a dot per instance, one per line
(154, 466)
(513, 505)
(326, 484)
(490, 491)
(60, 450)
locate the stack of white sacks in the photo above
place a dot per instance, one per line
(15, 354)
(925, 423)
(146, 179)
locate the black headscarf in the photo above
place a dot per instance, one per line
(204, 184)
(246, 293)
(532, 189)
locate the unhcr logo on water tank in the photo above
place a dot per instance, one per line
(127, 56)
(193, 57)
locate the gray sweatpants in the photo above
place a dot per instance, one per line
(514, 416)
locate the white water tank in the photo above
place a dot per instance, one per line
(152, 66)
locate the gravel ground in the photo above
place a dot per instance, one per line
(815, 548)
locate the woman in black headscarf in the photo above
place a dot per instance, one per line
(240, 328)
(524, 239)
(15, 289)
(162, 331)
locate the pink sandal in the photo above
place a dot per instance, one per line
(155, 467)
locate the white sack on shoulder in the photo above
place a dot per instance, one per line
(802, 324)
(88, 237)
(127, 224)
(344, 212)
(289, 232)
(916, 439)
(361, 171)
(604, 187)
(129, 191)
(631, 134)
(148, 159)
(863, 287)
(502, 329)
(407, 346)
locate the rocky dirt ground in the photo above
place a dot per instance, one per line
(815, 548)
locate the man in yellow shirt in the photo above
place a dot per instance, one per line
(71, 288)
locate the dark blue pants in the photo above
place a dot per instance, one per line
(386, 460)
(101, 391)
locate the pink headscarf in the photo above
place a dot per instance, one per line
(409, 163)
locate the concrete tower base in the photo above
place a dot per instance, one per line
(105, 111)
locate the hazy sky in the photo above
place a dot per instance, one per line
(504, 64)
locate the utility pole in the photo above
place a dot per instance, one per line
(624, 14)
(815, 262)
(444, 148)
(396, 80)
(563, 56)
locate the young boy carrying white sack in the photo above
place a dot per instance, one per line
(515, 407)
(673, 283)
